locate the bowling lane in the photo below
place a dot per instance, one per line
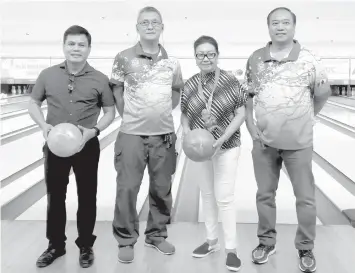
(245, 190)
(106, 192)
(343, 100)
(16, 154)
(15, 98)
(35, 174)
(338, 113)
(19, 154)
(335, 147)
(15, 106)
(18, 122)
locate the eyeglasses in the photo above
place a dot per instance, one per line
(146, 23)
(71, 84)
(209, 55)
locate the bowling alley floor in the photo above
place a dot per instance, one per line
(24, 241)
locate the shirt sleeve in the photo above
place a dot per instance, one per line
(178, 82)
(118, 71)
(39, 89)
(107, 98)
(320, 81)
(240, 94)
(185, 91)
(248, 80)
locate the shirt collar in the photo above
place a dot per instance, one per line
(293, 56)
(87, 68)
(161, 55)
(209, 75)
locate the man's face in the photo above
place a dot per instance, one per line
(76, 48)
(281, 27)
(149, 26)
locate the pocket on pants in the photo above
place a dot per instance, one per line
(173, 155)
(45, 150)
(117, 158)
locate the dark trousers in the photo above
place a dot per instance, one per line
(267, 166)
(57, 169)
(132, 154)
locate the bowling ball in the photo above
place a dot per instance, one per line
(64, 139)
(198, 145)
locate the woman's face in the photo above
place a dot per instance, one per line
(206, 57)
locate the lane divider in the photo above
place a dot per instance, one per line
(341, 105)
(12, 203)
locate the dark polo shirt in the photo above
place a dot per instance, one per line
(81, 106)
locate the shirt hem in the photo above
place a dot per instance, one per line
(290, 147)
(146, 133)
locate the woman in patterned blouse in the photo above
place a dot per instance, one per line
(213, 100)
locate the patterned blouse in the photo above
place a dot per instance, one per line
(227, 97)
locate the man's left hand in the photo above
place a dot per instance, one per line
(87, 135)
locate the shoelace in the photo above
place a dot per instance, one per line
(85, 252)
(47, 255)
(262, 247)
(306, 253)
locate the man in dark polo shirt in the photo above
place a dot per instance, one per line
(75, 93)
(147, 86)
(288, 87)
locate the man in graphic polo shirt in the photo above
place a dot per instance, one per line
(289, 87)
(146, 88)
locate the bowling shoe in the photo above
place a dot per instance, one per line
(126, 254)
(205, 249)
(49, 256)
(162, 246)
(261, 253)
(307, 261)
(233, 263)
(86, 257)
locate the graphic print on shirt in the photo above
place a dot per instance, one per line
(147, 91)
(286, 87)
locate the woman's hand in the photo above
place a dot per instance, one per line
(217, 145)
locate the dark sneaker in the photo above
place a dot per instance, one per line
(205, 249)
(307, 261)
(162, 246)
(49, 256)
(233, 262)
(86, 257)
(126, 254)
(261, 253)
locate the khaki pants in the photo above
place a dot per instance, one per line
(132, 154)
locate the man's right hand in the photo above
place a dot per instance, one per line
(254, 132)
(45, 129)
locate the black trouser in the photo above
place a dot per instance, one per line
(85, 165)
(132, 155)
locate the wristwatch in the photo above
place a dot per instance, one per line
(97, 130)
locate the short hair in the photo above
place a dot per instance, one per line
(281, 8)
(77, 30)
(149, 9)
(206, 40)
